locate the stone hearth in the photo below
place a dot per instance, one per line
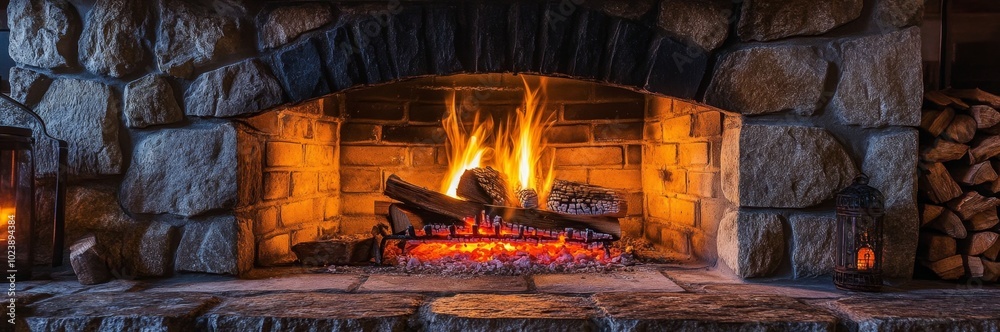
(194, 126)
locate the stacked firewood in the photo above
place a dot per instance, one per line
(959, 184)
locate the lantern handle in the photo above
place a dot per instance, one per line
(861, 178)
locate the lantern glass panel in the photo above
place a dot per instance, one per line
(16, 199)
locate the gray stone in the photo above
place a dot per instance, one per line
(183, 171)
(881, 83)
(93, 208)
(898, 13)
(64, 287)
(237, 89)
(313, 312)
(287, 23)
(751, 244)
(706, 22)
(149, 250)
(523, 312)
(150, 101)
(971, 312)
(442, 284)
(813, 244)
(85, 114)
(891, 163)
(784, 166)
(757, 80)
(291, 283)
(43, 32)
(218, 246)
(702, 276)
(118, 312)
(798, 290)
(194, 34)
(630, 9)
(578, 283)
(765, 20)
(113, 37)
(28, 86)
(714, 312)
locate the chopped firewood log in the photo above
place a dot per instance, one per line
(993, 253)
(934, 122)
(995, 130)
(974, 174)
(983, 149)
(943, 100)
(971, 203)
(949, 223)
(950, 268)
(985, 116)
(982, 221)
(973, 266)
(992, 186)
(528, 198)
(942, 150)
(402, 216)
(975, 95)
(991, 271)
(935, 246)
(484, 185)
(978, 243)
(938, 184)
(580, 198)
(962, 129)
(88, 262)
(340, 250)
(929, 212)
(438, 203)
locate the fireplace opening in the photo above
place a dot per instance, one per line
(577, 152)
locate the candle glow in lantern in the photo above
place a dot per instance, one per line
(860, 209)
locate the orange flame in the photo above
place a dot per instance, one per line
(465, 153)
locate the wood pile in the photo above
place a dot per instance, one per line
(960, 185)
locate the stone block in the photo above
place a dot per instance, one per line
(43, 33)
(706, 23)
(196, 34)
(295, 67)
(28, 86)
(113, 37)
(242, 88)
(891, 164)
(755, 81)
(814, 244)
(150, 101)
(765, 20)
(752, 243)
(85, 114)
(284, 24)
(898, 13)
(880, 80)
(218, 245)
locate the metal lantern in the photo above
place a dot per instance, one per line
(860, 209)
(17, 195)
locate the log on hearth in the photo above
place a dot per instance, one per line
(89, 263)
(438, 203)
(484, 185)
(580, 198)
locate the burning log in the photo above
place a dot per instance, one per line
(438, 203)
(528, 198)
(579, 198)
(484, 185)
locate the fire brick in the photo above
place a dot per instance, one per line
(275, 250)
(616, 132)
(628, 179)
(704, 184)
(319, 155)
(360, 132)
(693, 154)
(276, 185)
(266, 220)
(304, 184)
(305, 235)
(293, 126)
(298, 212)
(683, 211)
(326, 131)
(589, 156)
(372, 155)
(678, 128)
(424, 156)
(605, 111)
(284, 154)
(707, 124)
(661, 155)
(360, 180)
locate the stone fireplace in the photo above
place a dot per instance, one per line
(211, 137)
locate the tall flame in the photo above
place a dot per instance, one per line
(464, 153)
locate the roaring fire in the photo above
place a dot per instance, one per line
(464, 153)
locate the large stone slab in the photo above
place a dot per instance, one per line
(784, 166)
(797, 290)
(701, 276)
(589, 283)
(219, 245)
(814, 244)
(289, 283)
(751, 243)
(774, 19)
(756, 80)
(183, 171)
(898, 13)
(85, 114)
(242, 88)
(705, 22)
(194, 34)
(715, 312)
(284, 24)
(28, 86)
(313, 312)
(441, 284)
(113, 37)
(528, 312)
(891, 164)
(43, 33)
(118, 312)
(977, 312)
(94, 208)
(150, 101)
(880, 80)
(149, 251)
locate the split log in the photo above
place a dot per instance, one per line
(950, 268)
(991, 270)
(528, 198)
(941, 99)
(973, 266)
(975, 95)
(341, 250)
(88, 262)
(983, 149)
(934, 122)
(985, 116)
(934, 246)
(975, 174)
(993, 253)
(484, 185)
(938, 184)
(978, 243)
(942, 151)
(580, 198)
(982, 221)
(929, 212)
(971, 203)
(962, 129)
(950, 224)
(434, 202)
(995, 130)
